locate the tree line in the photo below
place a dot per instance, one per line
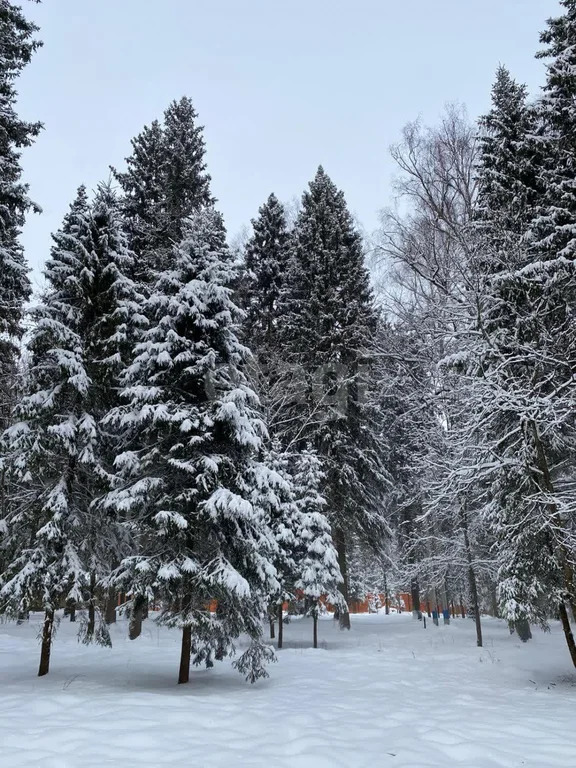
(186, 422)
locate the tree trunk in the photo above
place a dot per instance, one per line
(280, 626)
(436, 609)
(340, 542)
(272, 632)
(135, 626)
(46, 643)
(73, 612)
(462, 609)
(494, 596)
(569, 635)
(91, 609)
(471, 576)
(559, 548)
(386, 596)
(522, 627)
(415, 593)
(315, 628)
(184, 674)
(110, 612)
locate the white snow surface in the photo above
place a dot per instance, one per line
(387, 693)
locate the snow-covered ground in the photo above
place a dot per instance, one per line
(388, 693)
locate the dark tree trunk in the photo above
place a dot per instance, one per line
(428, 611)
(73, 612)
(495, 611)
(415, 593)
(272, 629)
(110, 613)
(477, 620)
(567, 627)
(46, 643)
(471, 577)
(135, 627)
(340, 541)
(280, 626)
(184, 674)
(91, 609)
(522, 627)
(315, 628)
(559, 549)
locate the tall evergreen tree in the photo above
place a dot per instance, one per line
(17, 45)
(165, 182)
(60, 545)
(518, 428)
(328, 326)
(143, 189)
(508, 169)
(193, 484)
(267, 256)
(187, 182)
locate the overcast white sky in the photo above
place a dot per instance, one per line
(280, 85)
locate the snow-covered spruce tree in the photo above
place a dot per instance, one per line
(165, 182)
(509, 188)
(276, 497)
(187, 182)
(17, 45)
(266, 259)
(525, 396)
(317, 566)
(143, 193)
(58, 543)
(507, 174)
(328, 322)
(192, 486)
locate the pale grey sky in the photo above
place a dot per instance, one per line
(280, 85)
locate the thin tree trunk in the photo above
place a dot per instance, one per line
(73, 612)
(567, 627)
(272, 629)
(340, 541)
(46, 643)
(184, 674)
(495, 611)
(315, 628)
(386, 596)
(91, 608)
(280, 626)
(415, 593)
(471, 577)
(110, 613)
(559, 547)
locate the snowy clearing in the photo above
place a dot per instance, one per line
(388, 693)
